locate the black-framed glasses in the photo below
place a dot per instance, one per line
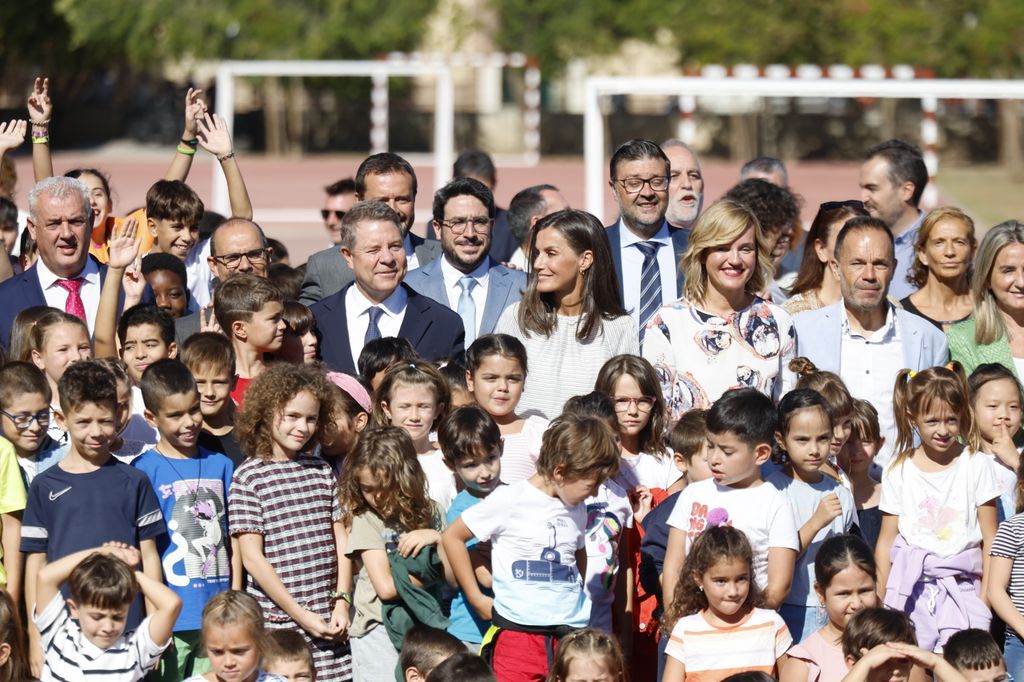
(833, 205)
(658, 183)
(233, 260)
(23, 421)
(460, 225)
(643, 403)
(326, 212)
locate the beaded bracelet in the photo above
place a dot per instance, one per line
(225, 157)
(40, 133)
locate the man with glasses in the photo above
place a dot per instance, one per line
(645, 249)
(377, 303)
(464, 278)
(383, 177)
(237, 245)
(341, 195)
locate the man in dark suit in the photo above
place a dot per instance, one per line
(383, 177)
(464, 278)
(645, 250)
(377, 303)
(65, 276)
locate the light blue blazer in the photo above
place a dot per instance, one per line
(504, 287)
(819, 339)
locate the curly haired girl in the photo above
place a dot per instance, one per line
(715, 610)
(393, 523)
(285, 513)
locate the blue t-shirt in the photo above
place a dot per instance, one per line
(653, 546)
(466, 624)
(67, 513)
(192, 494)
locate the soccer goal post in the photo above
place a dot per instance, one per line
(928, 90)
(379, 72)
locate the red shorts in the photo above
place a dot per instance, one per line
(523, 657)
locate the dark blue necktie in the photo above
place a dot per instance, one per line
(372, 330)
(650, 284)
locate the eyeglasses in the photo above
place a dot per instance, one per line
(643, 403)
(23, 421)
(833, 205)
(325, 212)
(460, 225)
(233, 260)
(659, 183)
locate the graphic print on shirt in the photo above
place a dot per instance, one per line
(604, 529)
(684, 393)
(701, 517)
(549, 568)
(759, 331)
(937, 520)
(196, 529)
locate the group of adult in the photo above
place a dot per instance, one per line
(704, 294)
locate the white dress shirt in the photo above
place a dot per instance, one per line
(454, 290)
(357, 319)
(57, 297)
(868, 366)
(633, 263)
(197, 270)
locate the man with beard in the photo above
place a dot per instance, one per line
(892, 180)
(383, 177)
(645, 250)
(464, 278)
(686, 185)
(863, 338)
(378, 303)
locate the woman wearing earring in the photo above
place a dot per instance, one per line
(569, 319)
(721, 334)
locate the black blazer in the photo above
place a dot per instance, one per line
(433, 330)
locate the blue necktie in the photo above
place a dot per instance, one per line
(372, 330)
(650, 284)
(467, 308)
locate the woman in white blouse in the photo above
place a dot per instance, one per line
(569, 319)
(721, 334)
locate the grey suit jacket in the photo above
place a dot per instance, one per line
(327, 272)
(504, 287)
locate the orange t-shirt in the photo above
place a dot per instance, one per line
(101, 235)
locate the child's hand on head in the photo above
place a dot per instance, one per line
(126, 553)
(919, 656)
(410, 544)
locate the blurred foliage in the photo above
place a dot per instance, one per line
(954, 38)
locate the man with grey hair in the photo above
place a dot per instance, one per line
(237, 245)
(686, 184)
(526, 208)
(64, 277)
(377, 303)
(765, 168)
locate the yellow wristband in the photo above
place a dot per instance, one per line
(41, 140)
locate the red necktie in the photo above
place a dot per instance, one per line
(73, 305)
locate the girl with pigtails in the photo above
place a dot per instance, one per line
(938, 508)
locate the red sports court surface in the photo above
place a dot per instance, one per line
(287, 192)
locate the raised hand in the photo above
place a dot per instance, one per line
(123, 248)
(40, 108)
(12, 134)
(213, 135)
(1003, 447)
(126, 553)
(195, 110)
(208, 321)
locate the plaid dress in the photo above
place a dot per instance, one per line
(293, 505)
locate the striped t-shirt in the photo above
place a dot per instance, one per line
(710, 654)
(1009, 543)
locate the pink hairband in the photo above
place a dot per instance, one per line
(351, 385)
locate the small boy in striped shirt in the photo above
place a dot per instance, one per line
(103, 584)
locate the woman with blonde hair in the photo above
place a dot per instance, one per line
(721, 334)
(995, 333)
(942, 268)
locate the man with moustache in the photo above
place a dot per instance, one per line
(864, 338)
(686, 185)
(464, 278)
(377, 303)
(645, 250)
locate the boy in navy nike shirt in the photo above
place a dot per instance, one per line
(89, 497)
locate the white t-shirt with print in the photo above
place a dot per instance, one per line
(938, 511)
(761, 512)
(534, 538)
(647, 470)
(609, 514)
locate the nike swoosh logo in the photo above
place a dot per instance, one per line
(55, 495)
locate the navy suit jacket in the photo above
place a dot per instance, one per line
(504, 287)
(432, 329)
(23, 291)
(680, 241)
